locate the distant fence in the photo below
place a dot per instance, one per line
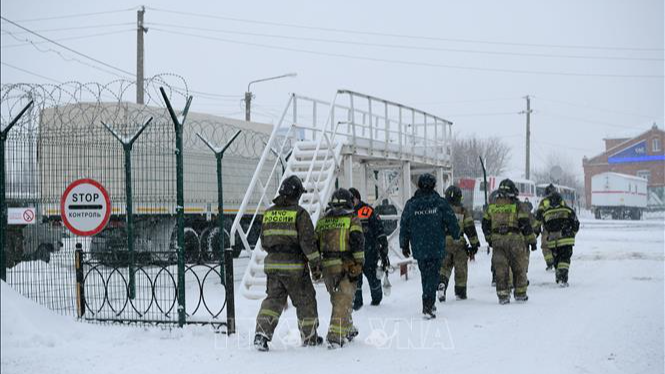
(75, 131)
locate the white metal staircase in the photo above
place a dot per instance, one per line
(364, 129)
(315, 159)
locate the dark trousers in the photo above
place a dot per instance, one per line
(429, 277)
(369, 269)
(562, 257)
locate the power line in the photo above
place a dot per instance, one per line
(579, 105)
(564, 146)
(408, 47)
(554, 115)
(411, 63)
(77, 15)
(29, 72)
(471, 101)
(27, 42)
(482, 114)
(67, 48)
(405, 36)
(74, 28)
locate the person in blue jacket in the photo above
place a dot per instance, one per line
(426, 220)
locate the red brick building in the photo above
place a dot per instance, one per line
(642, 156)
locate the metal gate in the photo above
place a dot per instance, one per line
(164, 256)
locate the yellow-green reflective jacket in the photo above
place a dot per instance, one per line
(340, 237)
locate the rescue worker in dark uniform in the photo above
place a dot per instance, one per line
(376, 247)
(426, 220)
(288, 236)
(342, 244)
(459, 252)
(508, 230)
(560, 225)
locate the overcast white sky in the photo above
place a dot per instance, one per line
(598, 64)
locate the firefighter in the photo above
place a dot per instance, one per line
(376, 246)
(459, 252)
(426, 220)
(342, 244)
(508, 231)
(547, 253)
(560, 225)
(288, 236)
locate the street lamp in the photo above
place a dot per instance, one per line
(248, 94)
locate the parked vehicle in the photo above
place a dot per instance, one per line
(619, 196)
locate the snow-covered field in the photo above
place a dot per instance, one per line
(610, 320)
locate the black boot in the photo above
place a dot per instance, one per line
(563, 277)
(358, 300)
(261, 342)
(441, 290)
(428, 310)
(460, 292)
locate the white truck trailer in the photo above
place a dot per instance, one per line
(617, 195)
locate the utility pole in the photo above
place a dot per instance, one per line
(527, 172)
(248, 106)
(140, 30)
(248, 93)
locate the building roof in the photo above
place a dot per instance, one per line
(602, 157)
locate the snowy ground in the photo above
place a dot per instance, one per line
(610, 320)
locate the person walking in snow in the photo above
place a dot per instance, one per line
(287, 235)
(459, 252)
(560, 227)
(376, 247)
(342, 244)
(425, 221)
(508, 230)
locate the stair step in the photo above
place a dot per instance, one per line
(305, 145)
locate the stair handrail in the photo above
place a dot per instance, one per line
(236, 226)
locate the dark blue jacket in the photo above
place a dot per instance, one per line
(426, 220)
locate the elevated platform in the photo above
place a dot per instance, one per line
(355, 140)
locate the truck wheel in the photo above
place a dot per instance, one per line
(192, 250)
(596, 214)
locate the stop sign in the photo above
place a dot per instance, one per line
(85, 207)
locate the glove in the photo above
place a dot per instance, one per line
(317, 271)
(406, 251)
(534, 246)
(354, 272)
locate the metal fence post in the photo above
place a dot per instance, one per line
(226, 257)
(180, 201)
(127, 144)
(80, 287)
(3, 200)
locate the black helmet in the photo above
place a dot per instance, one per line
(454, 195)
(550, 189)
(292, 187)
(555, 199)
(426, 181)
(355, 193)
(507, 188)
(341, 198)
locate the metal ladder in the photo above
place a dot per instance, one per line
(315, 159)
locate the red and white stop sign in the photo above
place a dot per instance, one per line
(85, 207)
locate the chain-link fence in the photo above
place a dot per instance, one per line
(75, 131)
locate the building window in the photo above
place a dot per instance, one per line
(655, 145)
(646, 174)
